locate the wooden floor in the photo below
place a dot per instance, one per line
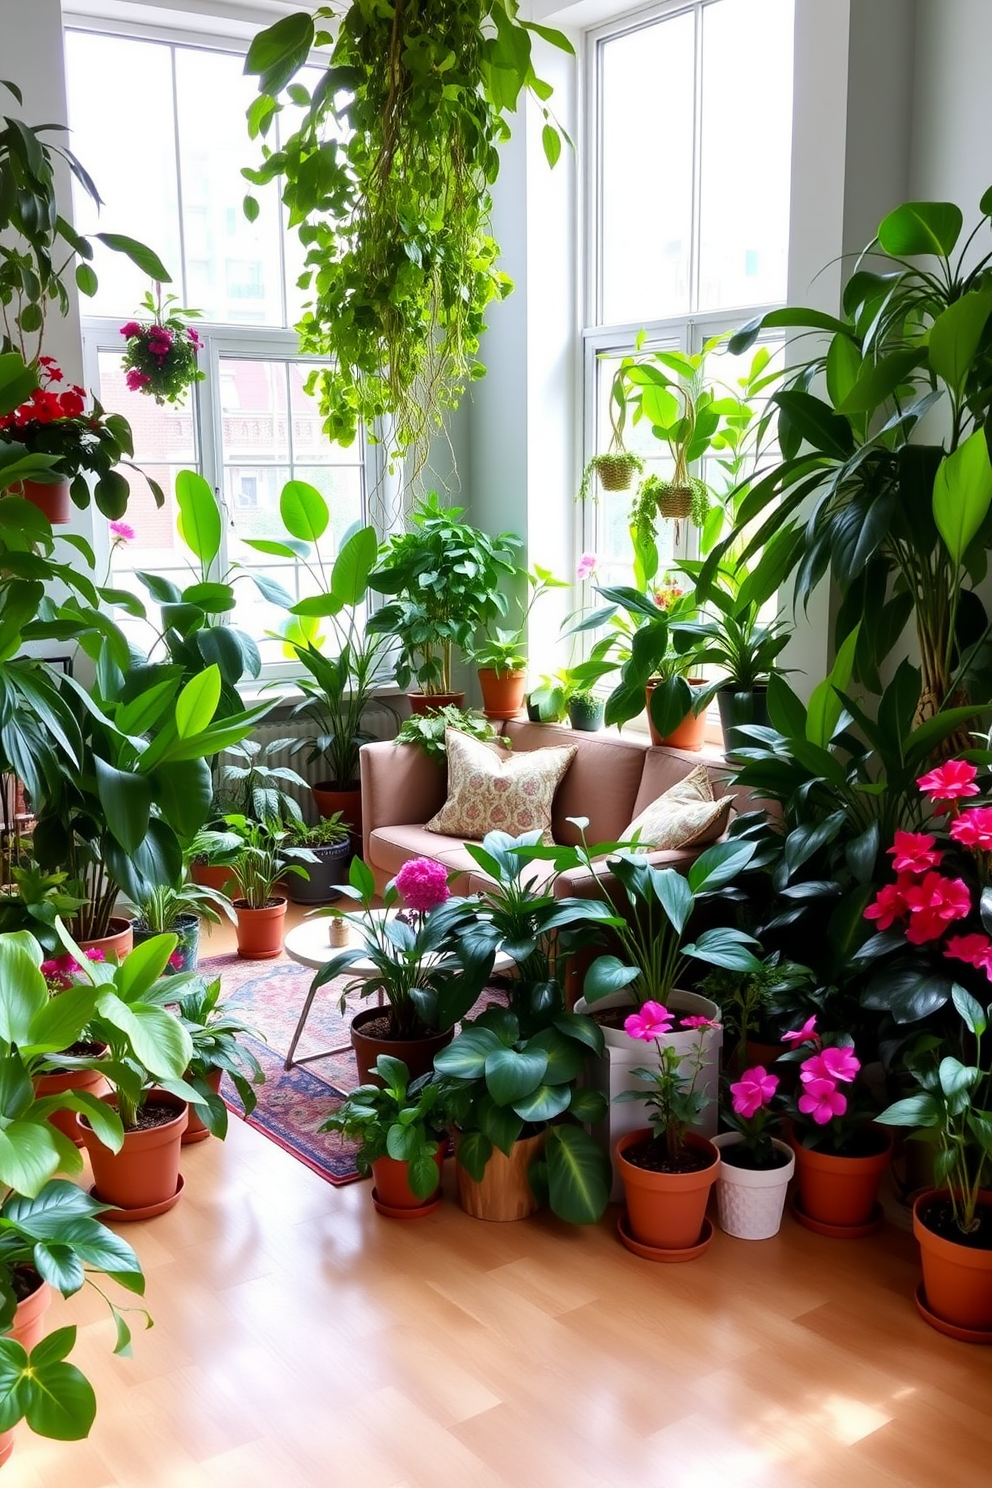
(301, 1341)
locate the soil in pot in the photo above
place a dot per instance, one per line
(666, 1208)
(371, 1035)
(652, 1155)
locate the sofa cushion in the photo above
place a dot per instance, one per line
(683, 815)
(601, 784)
(493, 789)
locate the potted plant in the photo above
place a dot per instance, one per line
(755, 1167)
(211, 855)
(585, 711)
(658, 661)
(617, 467)
(840, 1155)
(442, 576)
(253, 788)
(329, 843)
(401, 1135)
(756, 1006)
(745, 648)
(263, 860)
(501, 657)
(427, 976)
(160, 357)
(215, 1029)
(667, 1170)
(549, 702)
(403, 265)
(60, 974)
(176, 909)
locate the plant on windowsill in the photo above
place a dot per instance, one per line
(400, 260)
(501, 656)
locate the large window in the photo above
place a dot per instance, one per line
(174, 181)
(689, 154)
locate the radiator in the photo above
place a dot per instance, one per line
(378, 721)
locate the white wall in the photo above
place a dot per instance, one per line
(952, 101)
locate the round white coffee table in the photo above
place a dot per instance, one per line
(309, 944)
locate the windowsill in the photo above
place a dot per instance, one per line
(282, 692)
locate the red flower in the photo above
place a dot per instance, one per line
(131, 329)
(973, 828)
(71, 404)
(975, 949)
(911, 852)
(888, 905)
(933, 904)
(949, 782)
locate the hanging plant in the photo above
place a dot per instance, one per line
(617, 468)
(160, 359)
(388, 181)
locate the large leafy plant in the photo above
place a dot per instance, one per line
(388, 180)
(398, 1118)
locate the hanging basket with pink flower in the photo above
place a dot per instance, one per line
(161, 356)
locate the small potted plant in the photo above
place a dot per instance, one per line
(402, 1137)
(427, 730)
(617, 468)
(755, 1003)
(441, 579)
(746, 649)
(216, 1029)
(176, 909)
(263, 861)
(667, 1170)
(160, 358)
(585, 711)
(329, 843)
(501, 656)
(755, 1167)
(659, 662)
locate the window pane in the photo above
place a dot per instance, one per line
(746, 152)
(647, 81)
(233, 267)
(253, 409)
(123, 131)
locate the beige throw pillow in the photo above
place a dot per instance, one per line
(490, 790)
(683, 815)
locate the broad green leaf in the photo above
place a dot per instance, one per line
(956, 335)
(197, 703)
(579, 1175)
(354, 563)
(921, 228)
(29, 1156)
(512, 1074)
(607, 974)
(466, 1056)
(970, 1009)
(126, 798)
(23, 992)
(277, 54)
(825, 706)
(303, 511)
(143, 258)
(199, 516)
(962, 491)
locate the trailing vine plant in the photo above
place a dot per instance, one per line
(387, 180)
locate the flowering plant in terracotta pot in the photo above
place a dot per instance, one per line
(160, 359)
(671, 1091)
(822, 1112)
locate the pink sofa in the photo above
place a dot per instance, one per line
(610, 781)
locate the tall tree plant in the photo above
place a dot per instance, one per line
(388, 180)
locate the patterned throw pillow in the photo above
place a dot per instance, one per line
(491, 790)
(683, 815)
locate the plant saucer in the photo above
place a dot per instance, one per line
(148, 1211)
(661, 1252)
(416, 1211)
(871, 1226)
(950, 1330)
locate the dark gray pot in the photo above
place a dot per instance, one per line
(330, 869)
(187, 927)
(737, 708)
(586, 717)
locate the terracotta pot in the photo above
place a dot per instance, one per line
(330, 797)
(146, 1170)
(90, 1082)
(392, 1188)
(195, 1129)
(691, 732)
(213, 876)
(750, 1201)
(27, 1329)
(957, 1279)
(260, 931)
(51, 500)
(841, 1191)
(417, 1054)
(502, 692)
(666, 1210)
(426, 702)
(504, 1192)
(119, 943)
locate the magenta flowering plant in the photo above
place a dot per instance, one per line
(161, 356)
(751, 1114)
(672, 1094)
(826, 1109)
(428, 973)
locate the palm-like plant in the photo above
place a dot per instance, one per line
(255, 787)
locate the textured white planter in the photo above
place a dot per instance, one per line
(750, 1201)
(612, 1072)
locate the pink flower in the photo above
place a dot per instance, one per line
(888, 905)
(587, 566)
(837, 1062)
(802, 1035)
(696, 1020)
(933, 904)
(823, 1101)
(423, 884)
(176, 960)
(911, 852)
(975, 949)
(974, 828)
(949, 782)
(650, 1022)
(137, 380)
(131, 329)
(753, 1090)
(123, 531)
(93, 954)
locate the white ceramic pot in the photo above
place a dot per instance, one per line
(749, 1200)
(612, 1072)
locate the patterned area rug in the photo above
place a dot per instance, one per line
(292, 1104)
